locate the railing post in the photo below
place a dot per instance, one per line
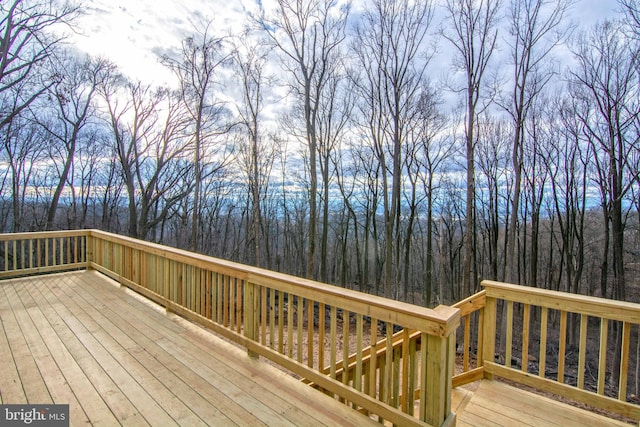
(489, 333)
(439, 352)
(440, 355)
(251, 310)
(89, 250)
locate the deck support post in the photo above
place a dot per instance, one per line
(251, 314)
(439, 371)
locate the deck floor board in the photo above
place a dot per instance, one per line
(77, 338)
(494, 403)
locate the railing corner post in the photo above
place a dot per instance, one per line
(439, 372)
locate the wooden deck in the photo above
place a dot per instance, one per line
(116, 358)
(79, 339)
(495, 404)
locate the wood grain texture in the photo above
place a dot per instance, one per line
(497, 404)
(115, 357)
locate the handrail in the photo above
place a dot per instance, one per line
(304, 326)
(596, 319)
(436, 321)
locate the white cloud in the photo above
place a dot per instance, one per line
(132, 33)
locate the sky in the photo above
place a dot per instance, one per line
(133, 33)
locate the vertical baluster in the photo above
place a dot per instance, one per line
(602, 366)
(387, 391)
(228, 302)
(272, 317)
(290, 308)
(423, 376)
(582, 356)
(406, 384)
(220, 292)
(333, 337)
(466, 341)
(398, 362)
(23, 263)
(300, 330)
(345, 346)
(281, 322)
(526, 321)
(263, 315)
(480, 349)
(38, 253)
(544, 314)
(322, 312)
(15, 254)
(359, 337)
(562, 348)
(239, 304)
(31, 254)
(624, 361)
(46, 252)
(509, 341)
(373, 364)
(311, 307)
(413, 374)
(69, 259)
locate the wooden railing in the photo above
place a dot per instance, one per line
(23, 254)
(542, 353)
(366, 351)
(306, 327)
(469, 336)
(470, 339)
(557, 367)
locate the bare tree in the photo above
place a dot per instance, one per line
(535, 30)
(605, 82)
(392, 59)
(73, 97)
(257, 154)
(434, 149)
(631, 11)
(474, 35)
(27, 43)
(201, 59)
(493, 159)
(24, 148)
(149, 130)
(308, 34)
